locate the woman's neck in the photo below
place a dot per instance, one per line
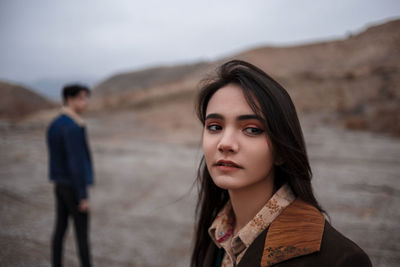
(247, 202)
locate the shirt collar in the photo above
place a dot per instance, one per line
(220, 228)
(73, 115)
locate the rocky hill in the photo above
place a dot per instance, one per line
(355, 80)
(146, 78)
(17, 101)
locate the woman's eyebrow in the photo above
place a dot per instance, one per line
(214, 116)
(239, 118)
(249, 117)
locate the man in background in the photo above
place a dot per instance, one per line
(70, 168)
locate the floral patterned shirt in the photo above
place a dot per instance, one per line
(235, 246)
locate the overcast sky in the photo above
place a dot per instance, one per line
(93, 39)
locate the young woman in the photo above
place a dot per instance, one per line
(256, 205)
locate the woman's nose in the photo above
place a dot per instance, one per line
(228, 142)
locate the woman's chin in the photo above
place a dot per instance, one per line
(227, 182)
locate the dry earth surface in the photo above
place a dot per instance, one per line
(143, 200)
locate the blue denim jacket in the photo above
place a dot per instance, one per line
(69, 155)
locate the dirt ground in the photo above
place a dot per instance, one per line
(143, 200)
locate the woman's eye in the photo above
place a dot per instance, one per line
(214, 127)
(253, 131)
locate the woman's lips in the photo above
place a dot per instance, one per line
(227, 165)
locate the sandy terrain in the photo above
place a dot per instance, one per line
(143, 200)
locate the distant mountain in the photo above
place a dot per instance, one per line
(356, 80)
(51, 87)
(17, 101)
(146, 78)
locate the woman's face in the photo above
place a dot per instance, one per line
(237, 150)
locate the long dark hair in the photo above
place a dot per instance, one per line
(269, 100)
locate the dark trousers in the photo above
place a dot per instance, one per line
(66, 206)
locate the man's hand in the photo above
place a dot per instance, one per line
(83, 205)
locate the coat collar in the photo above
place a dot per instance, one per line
(297, 231)
(235, 246)
(73, 115)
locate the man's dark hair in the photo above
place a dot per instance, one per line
(72, 90)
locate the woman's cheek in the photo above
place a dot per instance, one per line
(261, 155)
(207, 149)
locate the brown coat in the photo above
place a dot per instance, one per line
(299, 236)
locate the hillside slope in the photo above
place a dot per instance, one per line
(355, 80)
(17, 101)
